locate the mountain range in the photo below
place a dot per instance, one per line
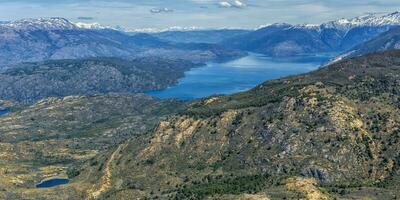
(385, 41)
(32, 40)
(203, 36)
(335, 36)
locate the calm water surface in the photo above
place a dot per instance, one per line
(238, 75)
(52, 183)
(4, 111)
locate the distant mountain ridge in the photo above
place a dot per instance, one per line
(32, 40)
(203, 36)
(336, 36)
(385, 41)
(365, 20)
(54, 23)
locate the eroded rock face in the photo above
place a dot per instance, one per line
(319, 174)
(308, 187)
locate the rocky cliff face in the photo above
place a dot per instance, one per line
(338, 127)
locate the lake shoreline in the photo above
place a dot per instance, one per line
(238, 75)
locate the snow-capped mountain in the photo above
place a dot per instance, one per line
(365, 20)
(54, 23)
(344, 24)
(32, 40)
(98, 26)
(90, 25)
(335, 36)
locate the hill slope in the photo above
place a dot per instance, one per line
(335, 128)
(385, 41)
(30, 82)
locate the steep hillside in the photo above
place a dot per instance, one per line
(53, 137)
(335, 36)
(330, 133)
(385, 41)
(280, 40)
(30, 82)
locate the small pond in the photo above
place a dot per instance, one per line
(52, 182)
(4, 111)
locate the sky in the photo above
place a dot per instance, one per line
(161, 14)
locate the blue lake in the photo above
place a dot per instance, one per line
(4, 112)
(52, 183)
(238, 75)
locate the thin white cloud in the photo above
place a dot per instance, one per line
(225, 4)
(232, 4)
(161, 10)
(239, 4)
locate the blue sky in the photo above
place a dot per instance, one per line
(200, 13)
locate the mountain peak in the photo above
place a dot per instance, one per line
(53, 23)
(370, 19)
